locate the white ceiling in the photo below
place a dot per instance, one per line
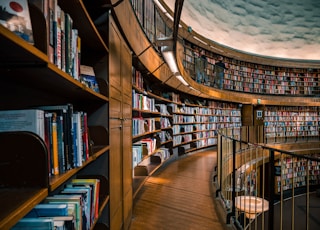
(277, 28)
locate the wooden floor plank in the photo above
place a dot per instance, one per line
(179, 196)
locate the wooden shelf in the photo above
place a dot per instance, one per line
(58, 180)
(83, 22)
(16, 50)
(29, 80)
(15, 203)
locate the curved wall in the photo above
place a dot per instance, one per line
(144, 50)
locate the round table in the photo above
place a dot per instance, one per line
(251, 205)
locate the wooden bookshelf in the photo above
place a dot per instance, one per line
(31, 80)
(256, 78)
(195, 126)
(291, 123)
(294, 173)
(151, 131)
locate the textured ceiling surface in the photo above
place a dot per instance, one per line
(278, 28)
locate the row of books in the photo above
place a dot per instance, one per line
(239, 65)
(64, 131)
(291, 121)
(143, 102)
(75, 207)
(165, 123)
(293, 173)
(63, 42)
(142, 148)
(139, 152)
(165, 136)
(163, 109)
(177, 140)
(137, 79)
(144, 125)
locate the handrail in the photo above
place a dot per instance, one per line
(256, 180)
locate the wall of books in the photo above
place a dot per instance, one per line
(53, 117)
(295, 171)
(291, 123)
(254, 78)
(167, 121)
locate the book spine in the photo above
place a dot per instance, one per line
(48, 139)
(60, 144)
(77, 138)
(74, 46)
(57, 36)
(55, 154)
(85, 136)
(51, 12)
(68, 36)
(63, 42)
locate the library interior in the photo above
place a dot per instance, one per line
(159, 114)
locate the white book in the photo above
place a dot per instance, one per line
(31, 120)
(15, 16)
(77, 135)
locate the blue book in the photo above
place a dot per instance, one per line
(34, 224)
(48, 210)
(74, 204)
(85, 192)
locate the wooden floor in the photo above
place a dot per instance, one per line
(179, 196)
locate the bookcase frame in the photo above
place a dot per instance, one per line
(29, 79)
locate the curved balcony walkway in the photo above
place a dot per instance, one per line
(180, 196)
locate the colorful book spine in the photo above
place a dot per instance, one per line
(55, 154)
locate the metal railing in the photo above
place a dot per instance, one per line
(262, 187)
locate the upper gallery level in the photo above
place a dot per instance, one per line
(249, 79)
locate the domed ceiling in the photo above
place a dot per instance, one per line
(278, 28)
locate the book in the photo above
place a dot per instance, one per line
(77, 139)
(68, 44)
(66, 111)
(63, 222)
(31, 120)
(34, 224)
(60, 142)
(85, 136)
(57, 35)
(75, 50)
(63, 41)
(47, 210)
(85, 192)
(74, 204)
(55, 154)
(88, 77)
(50, 32)
(48, 139)
(15, 16)
(95, 187)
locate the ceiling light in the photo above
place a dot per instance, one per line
(180, 78)
(170, 60)
(159, 5)
(198, 39)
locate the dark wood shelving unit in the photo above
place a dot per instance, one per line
(29, 80)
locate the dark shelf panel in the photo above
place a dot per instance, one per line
(16, 50)
(16, 203)
(38, 86)
(87, 30)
